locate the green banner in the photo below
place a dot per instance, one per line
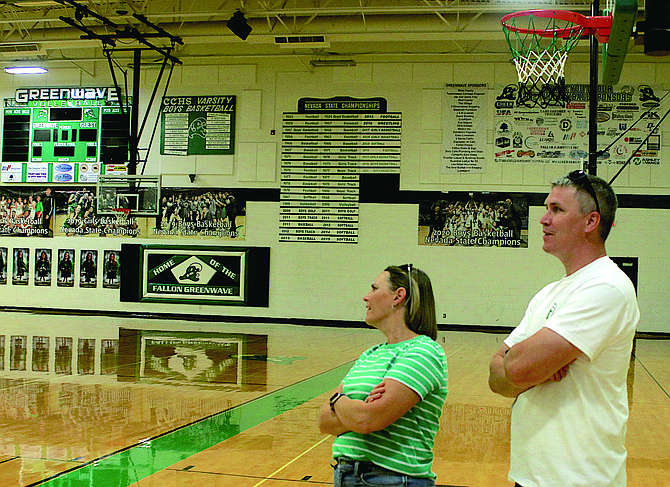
(198, 125)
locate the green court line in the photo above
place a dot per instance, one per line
(131, 465)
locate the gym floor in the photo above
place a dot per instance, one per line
(109, 401)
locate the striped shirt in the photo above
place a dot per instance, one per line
(405, 446)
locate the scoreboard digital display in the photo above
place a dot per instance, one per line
(54, 128)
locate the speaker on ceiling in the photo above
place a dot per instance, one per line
(238, 25)
(657, 28)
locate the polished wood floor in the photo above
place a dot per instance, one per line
(102, 401)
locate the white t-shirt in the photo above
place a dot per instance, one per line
(571, 433)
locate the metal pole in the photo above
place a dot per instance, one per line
(593, 98)
(135, 113)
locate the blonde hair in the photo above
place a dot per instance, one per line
(420, 314)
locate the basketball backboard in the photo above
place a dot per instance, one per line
(139, 194)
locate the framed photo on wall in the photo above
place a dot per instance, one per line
(42, 267)
(110, 273)
(20, 274)
(3, 265)
(88, 268)
(65, 268)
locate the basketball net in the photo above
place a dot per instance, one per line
(122, 215)
(540, 41)
(539, 49)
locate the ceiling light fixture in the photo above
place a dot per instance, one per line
(333, 62)
(26, 70)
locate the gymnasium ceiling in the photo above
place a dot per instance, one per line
(352, 29)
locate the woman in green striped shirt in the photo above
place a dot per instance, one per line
(387, 410)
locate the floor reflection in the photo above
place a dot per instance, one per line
(118, 400)
(238, 360)
(81, 392)
(235, 360)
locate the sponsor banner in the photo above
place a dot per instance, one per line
(627, 117)
(465, 126)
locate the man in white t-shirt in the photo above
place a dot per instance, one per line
(566, 363)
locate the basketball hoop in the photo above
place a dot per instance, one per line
(123, 214)
(540, 48)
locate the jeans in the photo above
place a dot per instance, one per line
(366, 474)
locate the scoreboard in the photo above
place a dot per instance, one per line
(63, 134)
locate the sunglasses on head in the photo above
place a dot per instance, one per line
(408, 268)
(581, 179)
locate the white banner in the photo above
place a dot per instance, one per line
(323, 154)
(464, 109)
(559, 135)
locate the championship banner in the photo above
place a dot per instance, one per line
(76, 215)
(26, 211)
(205, 213)
(218, 213)
(206, 275)
(474, 220)
(627, 119)
(464, 109)
(326, 145)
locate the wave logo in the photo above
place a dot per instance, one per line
(198, 128)
(193, 270)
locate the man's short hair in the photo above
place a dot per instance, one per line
(607, 200)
